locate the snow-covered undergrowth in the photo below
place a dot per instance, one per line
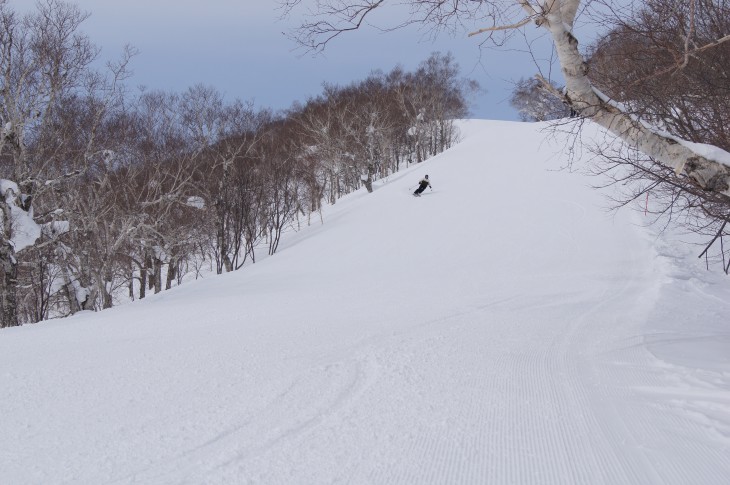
(503, 328)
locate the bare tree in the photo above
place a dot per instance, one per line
(363, 131)
(643, 63)
(281, 180)
(331, 18)
(225, 137)
(44, 65)
(536, 103)
(321, 131)
(636, 63)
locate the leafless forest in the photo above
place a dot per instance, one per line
(130, 192)
(110, 193)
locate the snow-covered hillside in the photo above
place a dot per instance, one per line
(501, 329)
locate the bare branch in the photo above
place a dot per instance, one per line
(522, 23)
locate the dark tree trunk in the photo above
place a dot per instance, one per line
(171, 272)
(8, 302)
(105, 288)
(143, 279)
(369, 181)
(9, 268)
(156, 281)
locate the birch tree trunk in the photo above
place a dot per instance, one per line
(558, 18)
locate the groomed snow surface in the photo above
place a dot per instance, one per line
(502, 329)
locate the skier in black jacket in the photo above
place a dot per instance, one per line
(422, 186)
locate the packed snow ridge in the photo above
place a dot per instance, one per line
(502, 329)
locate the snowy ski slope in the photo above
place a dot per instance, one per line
(501, 329)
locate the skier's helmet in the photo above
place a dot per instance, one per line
(426, 176)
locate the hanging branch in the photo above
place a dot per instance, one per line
(719, 234)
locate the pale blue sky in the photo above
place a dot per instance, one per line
(239, 47)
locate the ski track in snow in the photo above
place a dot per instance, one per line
(480, 336)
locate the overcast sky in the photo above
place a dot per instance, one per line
(239, 47)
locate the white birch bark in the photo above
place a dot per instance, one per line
(558, 17)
